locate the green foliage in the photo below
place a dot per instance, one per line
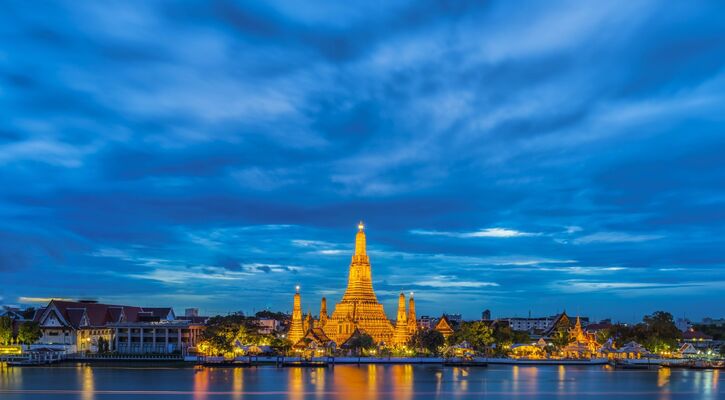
(29, 332)
(656, 332)
(717, 332)
(560, 338)
(504, 337)
(280, 345)
(103, 345)
(6, 330)
(222, 332)
(662, 332)
(361, 342)
(477, 333)
(722, 351)
(426, 341)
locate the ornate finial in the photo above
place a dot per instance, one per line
(360, 240)
(411, 294)
(297, 288)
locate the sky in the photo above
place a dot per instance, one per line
(512, 156)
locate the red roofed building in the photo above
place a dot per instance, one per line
(80, 326)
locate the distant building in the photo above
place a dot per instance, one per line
(268, 325)
(426, 322)
(155, 337)
(713, 321)
(539, 323)
(486, 315)
(683, 324)
(454, 319)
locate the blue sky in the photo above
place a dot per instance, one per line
(517, 157)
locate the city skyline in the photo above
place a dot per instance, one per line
(216, 157)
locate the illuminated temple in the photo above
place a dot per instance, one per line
(359, 309)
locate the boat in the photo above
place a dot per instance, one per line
(631, 365)
(465, 364)
(305, 364)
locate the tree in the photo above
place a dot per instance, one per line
(722, 351)
(478, 334)
(560, 338)
(661, 332)
(6, 330)
(361, 342)
(426, 340)
(222, 332)
(280, 345)
(29, 332)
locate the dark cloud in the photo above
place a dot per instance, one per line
(504, 156)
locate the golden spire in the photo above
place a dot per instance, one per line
(296, 329)
(360, 240)
(359, 306)
(323, 312)
(401, 325)
(412, 319)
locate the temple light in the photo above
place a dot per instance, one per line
(360, 225)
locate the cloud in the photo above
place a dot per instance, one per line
(615, 237)
(137, 169)
(442, 281)
(483, 233)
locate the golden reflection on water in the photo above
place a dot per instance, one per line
(402, 381)
(238, 383)
(201, 383)
(352, 382)
(87, 383)
(372, 381)
(561, 372)
(515, 379)
(663, 376)
(296, 385)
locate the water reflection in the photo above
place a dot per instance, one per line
(561, 373)
(87, 382)
(296, 385)
(201, 383)
(238, 383)
(351, 382)
(402, 381)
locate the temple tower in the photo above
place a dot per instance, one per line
(359, 305)
(323, 312)
(296, 329)
(400, 338)
(309, 323)
(412, 319)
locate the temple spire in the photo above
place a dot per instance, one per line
(400, 336)
(412, 318)
(296, 330)
(360, 240)
(323, 312)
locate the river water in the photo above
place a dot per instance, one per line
(349, 382)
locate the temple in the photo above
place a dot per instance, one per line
(359, 307)
(401, 335)
(296, 330)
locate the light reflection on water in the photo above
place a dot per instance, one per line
(351, 382)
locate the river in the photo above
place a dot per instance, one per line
(349, 382)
